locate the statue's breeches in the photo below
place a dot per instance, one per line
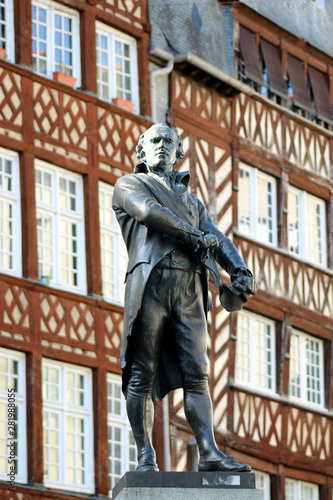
(170, 333)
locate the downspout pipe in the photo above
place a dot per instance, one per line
(158, 72)
(166, 434)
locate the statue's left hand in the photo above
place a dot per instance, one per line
(244, 282)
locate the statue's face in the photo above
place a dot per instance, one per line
(160, 149)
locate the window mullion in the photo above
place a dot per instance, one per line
(56, 231)
(253, 209)
(124, 449)
(303, 223)
(304, 368)
(50, 40)
(112, 60)
(323, 233)
(252, 353)
(117, 239)
(62, 427)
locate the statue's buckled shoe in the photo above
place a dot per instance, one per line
(147, 462)
(227, 464)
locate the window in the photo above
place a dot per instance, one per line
(260, 66)
(263, 484)
(7, 28)
(113, 249)
(55, 39)
(12, 397)
(10, 213)
(122, 448)
(255, 351)
(306, 375)
(307, 226)
(257, 204)
(116, 65)
(67, 426)
(60, 227)
(299, 490)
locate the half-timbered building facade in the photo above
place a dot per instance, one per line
(250, 90)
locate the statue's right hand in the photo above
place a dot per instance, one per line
(208, 241)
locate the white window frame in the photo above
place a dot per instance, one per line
(298, 365)
(117, 418)
(21, 426)
(57, 215)
(52, 9)
(111, 229)
(249, 346)
(63, 410)
(304, 198)
(263, 484)
(13, 197)
(112, 36)
(297, 487)
(256, 231)
(9, 40)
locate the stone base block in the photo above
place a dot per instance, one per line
(186, 486)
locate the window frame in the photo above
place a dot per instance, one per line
(112, 36)
(21, 476)
(298, 487)
(120, 420)
(10, 33)
(57, 214)
(265, 486)
(255, 176)
(302, 399)
(14, 196)
(52, 8)
(251, 355)
(119, 250)
(63, 410)
(305, 197)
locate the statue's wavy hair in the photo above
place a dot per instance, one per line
(140, 149)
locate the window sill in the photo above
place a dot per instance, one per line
(65, 288)
(113, 301)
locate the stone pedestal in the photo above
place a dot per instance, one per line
(186, 486)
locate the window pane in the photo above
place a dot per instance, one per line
(307, 226)
(113, 250)
(295, 366)
(68, 430)
(294, 222)
(306, 368)
(265, 210)
(243, 349)
(313, 371)
(60, 229)
(244, 204)
(255, 351)
(39, 38)
(315, 230)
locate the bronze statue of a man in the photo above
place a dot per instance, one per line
(171, 242)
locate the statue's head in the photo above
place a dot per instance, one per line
(160, 148)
